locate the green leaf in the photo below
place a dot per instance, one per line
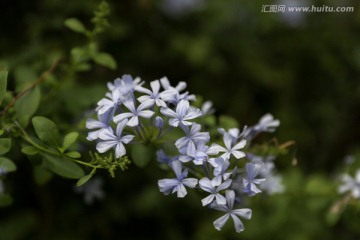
(28, 150)
(5, 200)
(46, 130)
(3, 83)
(7, 164)
(73, 154)
(5, 144)
(69, 139)
(105, 60)
(63, 167)
(141, 154)
(84, 180)
(79, 55)
(83, 67)
(27, 105)
(24, 77)
(75, 25)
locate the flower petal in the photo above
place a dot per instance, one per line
(146, 113)
(134, 121)
(168, 112)
(244, 213)
(220, 222)
(120, 150)
(209, 199)
(205, 184)
(126, 139)
(220, 199)
(102, 147)
(122, 116)
(239, 226)
(190, 182)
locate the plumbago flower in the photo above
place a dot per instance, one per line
(164, 116)
(350, 184)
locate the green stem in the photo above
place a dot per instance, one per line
(27, 138)
(86, 164)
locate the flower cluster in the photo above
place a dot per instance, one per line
(220, 165)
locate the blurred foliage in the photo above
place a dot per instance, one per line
(303, 70)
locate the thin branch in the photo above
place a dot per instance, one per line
(37, 82)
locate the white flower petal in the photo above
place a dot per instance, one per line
(120, 150)
(146, 113)
(134, 121)
(220, 199)
(220, 222)
(244, 213)
(239, 226)
(122, 116)
(102, 147)
(168, 112)
(190, 182)
(209, 199)
(206, 185)
(107, 135)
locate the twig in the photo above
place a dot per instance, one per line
(37, 82)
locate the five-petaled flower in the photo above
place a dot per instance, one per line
(154, 96)
(183, 114)
(177, 184)
(230, 212)
(134, 113)
(251, 181)
(350, 184)
(230, 148)
(110, 140)
(214, 187)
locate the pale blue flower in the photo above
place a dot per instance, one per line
(350, 184)
(193, 137)
(172, 94)
(272, 185)
(165, 159)
(134, 113)
(3, 171)
(230, 212)
(250, 181)
(154, 96)
(206, 108)
(183, 114)
(110, 140)
(266, 163)
(177, 184)
(267, 123)
(234, 133)
(120, 91)
(230, 148)
(103, 122)
(159, 122)
(220, 167)
(92, 190)
(125, 85)
(166, 85)
(214, 186)
(197, 155)
(174, 97)
(111, 103)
